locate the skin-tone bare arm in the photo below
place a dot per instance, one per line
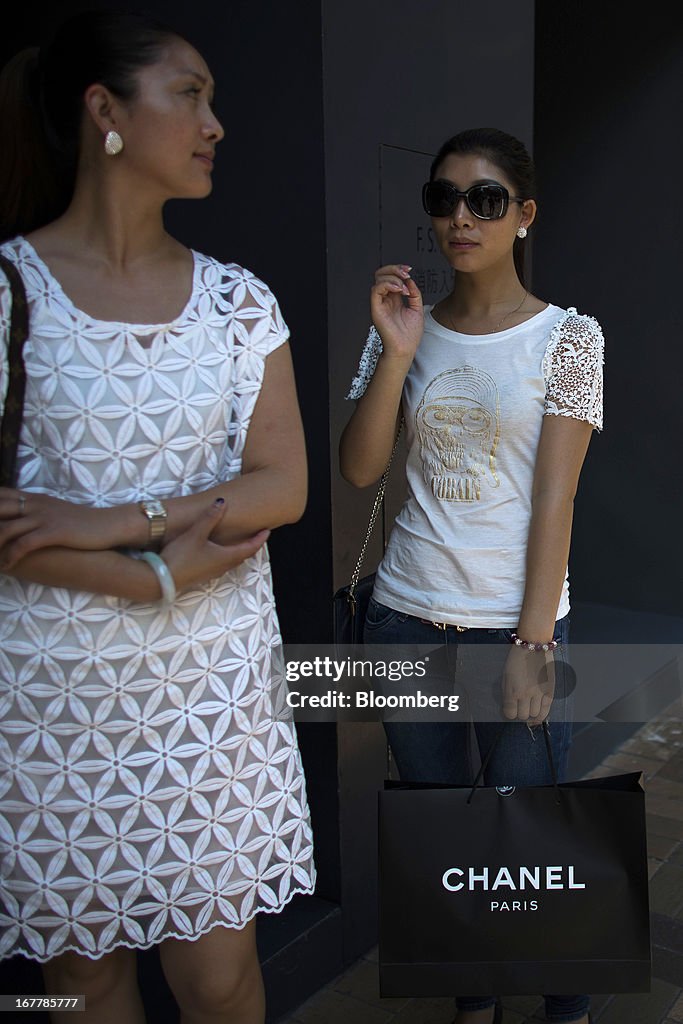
(368, 437)
(193, 558)
(561, 452)
(98, 572)
(270, 491)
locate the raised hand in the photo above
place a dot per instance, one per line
(397, 311)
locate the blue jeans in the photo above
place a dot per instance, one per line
(443, 751)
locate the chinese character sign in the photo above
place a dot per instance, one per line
(406, 231)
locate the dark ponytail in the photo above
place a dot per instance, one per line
(41, 107)
(33, 190)
(507, 153)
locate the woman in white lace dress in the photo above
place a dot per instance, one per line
(500, 392)
(148, 794)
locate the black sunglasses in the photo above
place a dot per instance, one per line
(488, 201)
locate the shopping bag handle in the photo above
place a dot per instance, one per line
(489, 754)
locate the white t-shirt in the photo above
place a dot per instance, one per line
(473, 408)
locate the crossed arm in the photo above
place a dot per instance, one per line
(63, 544)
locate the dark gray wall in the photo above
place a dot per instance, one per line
(609, 148)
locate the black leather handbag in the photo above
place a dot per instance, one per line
(350, 608)
(351, 602)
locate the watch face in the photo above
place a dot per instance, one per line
(154, 508)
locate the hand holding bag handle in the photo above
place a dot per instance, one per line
(490, 751)
(10, 426)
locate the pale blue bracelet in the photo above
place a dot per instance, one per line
(163, 574)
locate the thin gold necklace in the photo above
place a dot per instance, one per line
(502, 319)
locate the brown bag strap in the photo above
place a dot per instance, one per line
(10, 425)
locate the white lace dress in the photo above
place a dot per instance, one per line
(146, 790)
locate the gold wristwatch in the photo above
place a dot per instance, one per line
(156, 514)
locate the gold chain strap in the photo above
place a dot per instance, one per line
(379, 498)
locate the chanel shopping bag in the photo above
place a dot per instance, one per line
(513, 891)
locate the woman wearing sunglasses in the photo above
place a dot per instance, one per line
(500, 392)
(147, 794)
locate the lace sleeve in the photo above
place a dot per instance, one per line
(256, 328)
(259, 325)
(572, 368)
(366, 367)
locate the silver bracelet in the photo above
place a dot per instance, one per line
(163, 574)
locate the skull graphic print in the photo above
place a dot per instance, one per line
(458, 427)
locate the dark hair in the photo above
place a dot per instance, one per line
(507, 153)
(41, 107)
